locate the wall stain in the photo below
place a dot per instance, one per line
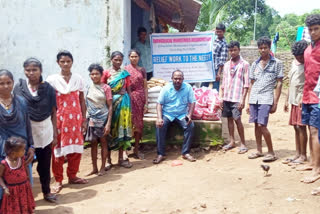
(107, 47)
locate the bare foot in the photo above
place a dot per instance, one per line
(93, 172)
(311, 178)
(306, 167)
(102, 172)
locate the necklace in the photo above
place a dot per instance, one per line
(5, 104)
(14, 163)
(33, 88)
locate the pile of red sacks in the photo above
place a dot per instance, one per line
(207, 105)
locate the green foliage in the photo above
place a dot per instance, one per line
(238, 16)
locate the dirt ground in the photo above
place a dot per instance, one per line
(217, 183)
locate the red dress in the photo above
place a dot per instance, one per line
(20, 200)
(138, 98)
(69, 120)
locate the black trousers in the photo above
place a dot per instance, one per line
(43, 167)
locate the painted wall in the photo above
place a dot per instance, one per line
(88, 28)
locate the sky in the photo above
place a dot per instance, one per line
(298, 7)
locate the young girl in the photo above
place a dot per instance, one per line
(14, 179)
(71, 121)
(99, 114)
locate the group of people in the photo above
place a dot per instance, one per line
(51, 119)
(262, 83)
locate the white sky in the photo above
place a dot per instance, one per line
(298, 7)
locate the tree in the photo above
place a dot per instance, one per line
(238, 16)
(287, 28)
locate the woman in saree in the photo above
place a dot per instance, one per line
(41, 101)
(14, 118)
(139, 97)
(121, 127)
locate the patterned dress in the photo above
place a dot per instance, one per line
(20, 200)
(69, 115)
(138, 98)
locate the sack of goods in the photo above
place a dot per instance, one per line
(207, 105)
(154, 87)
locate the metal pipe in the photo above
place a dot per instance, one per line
(255, 21)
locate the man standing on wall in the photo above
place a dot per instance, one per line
(143, 45)
(220, 55)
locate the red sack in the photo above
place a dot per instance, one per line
(214, 100)
(197, 92)
(203, 97)
(211, 114)
(197, 113)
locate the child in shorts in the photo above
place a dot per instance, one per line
(294, 97)
(234, 89)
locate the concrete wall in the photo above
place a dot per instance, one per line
(90, 29)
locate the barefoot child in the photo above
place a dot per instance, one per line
(234, 89)
(294, 97)
(266, 77)
(14, 179)
(99, 114)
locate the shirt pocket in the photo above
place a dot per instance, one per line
(184, 100)
(270, 73)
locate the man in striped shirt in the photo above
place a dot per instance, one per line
(234, 89)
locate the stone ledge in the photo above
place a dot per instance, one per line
(206, 133)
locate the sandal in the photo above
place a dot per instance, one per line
(255, 155)
(125, 164)
(137, 156)
(242, 150)
(296, 162)
(228, 147)
(159, 159)
(287, 160)
(189, 157)
(57, 188)
(108, 167)
(52, 198)
(269, 158)
(77, 180)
